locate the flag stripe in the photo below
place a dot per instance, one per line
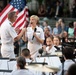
(19, 18)
(5, 9)
(20, 23)
(14, 6)
(4, 18)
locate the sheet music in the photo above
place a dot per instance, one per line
(42, 59)
(1, 73)
(11, 64)
(54, 62)
(7, 73)
(4, 64)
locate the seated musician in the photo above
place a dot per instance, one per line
(26, 54)
(21, 70)
(50, 49)
(68, 54)
(57, 42)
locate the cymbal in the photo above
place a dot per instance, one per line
(42, 68)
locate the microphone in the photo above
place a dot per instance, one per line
(40, 51)
(34, 31)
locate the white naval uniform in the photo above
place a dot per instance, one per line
(8, 34)
(67, 64)
(33, 44)
(51, 51)
(22, 72)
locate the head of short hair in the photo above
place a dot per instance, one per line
(21, 62)
(72, 70)
(68, 52)
(35, 17)
(11, 14)
(25, 52)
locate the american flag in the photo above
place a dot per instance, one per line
(22, 12)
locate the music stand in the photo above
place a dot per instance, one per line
(3, 63)
(4, 66)
(11, 64)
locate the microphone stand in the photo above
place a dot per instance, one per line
(62, 50)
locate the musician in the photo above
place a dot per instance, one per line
(57, 42)
(68, 54)
(50, 49)
(34, 35)
(21, 70)
(26, 54)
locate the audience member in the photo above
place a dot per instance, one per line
(55, 30)
(71, 30)
(74, 11)
(42, 11)
(45, 24)
(46, 34)
(58, 9)
(75, 29)
(62, 27)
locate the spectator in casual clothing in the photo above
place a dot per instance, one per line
(74, 11)
(42, 11)
(62, 27)
(58, 10)
(45, 24)
(55, 30)
(46, 34)
(75, 29)
(71, 30)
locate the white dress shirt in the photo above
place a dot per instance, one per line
(67, 64)
(22, 72)
(51, 51)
